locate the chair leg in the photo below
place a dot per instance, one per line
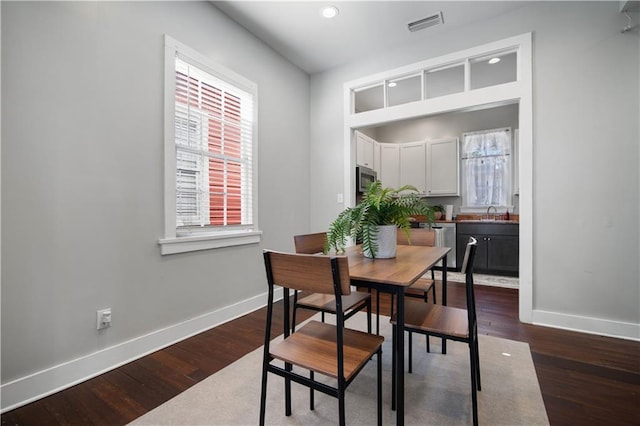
(287, 392)
(341, 408)
(263, 395)
(410, 352)
(477, 354)
(311, 394)
(295, 308)
(474, 392)
(393, 297)
(426, 336)
(379, 387)
(433, 287)
(322, 316)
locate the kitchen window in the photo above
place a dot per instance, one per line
(210, 146)
(486, 169)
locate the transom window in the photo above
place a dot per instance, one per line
(491, 68)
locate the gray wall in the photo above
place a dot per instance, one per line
(449, 125)
(82, 175)
(585, 176)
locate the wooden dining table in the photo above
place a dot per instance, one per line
(394, 276)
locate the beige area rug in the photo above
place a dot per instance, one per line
(437, 392)
(481, 279)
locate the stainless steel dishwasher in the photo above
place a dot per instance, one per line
(447, 239)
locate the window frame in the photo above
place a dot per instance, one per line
(174, 242)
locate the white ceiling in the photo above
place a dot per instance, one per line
(298, 32)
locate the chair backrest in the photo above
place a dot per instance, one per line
(310, 243)
(467, 269)
(469, 255)
(305, 272)
(417, 237)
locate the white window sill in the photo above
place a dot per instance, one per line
(206, 242)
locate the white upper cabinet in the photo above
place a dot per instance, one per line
(365, 147)
(431, 166)
(442, 169)
(413, 169)
(389, 172)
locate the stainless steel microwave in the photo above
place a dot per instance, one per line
(364, 178)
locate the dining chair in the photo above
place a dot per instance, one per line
(449, 323)
(326, 303)
(420, 237)
(419, 289)
(329, 350)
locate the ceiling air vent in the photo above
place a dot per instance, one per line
(429, 21)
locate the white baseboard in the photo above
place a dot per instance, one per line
(46, 382)
(601, 327)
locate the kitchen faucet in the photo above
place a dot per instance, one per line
(495, 210)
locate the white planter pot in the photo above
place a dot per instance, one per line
(387, 242)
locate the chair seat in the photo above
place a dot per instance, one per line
(423, 285)
(327, 303)
(314, 347)
(436, 319)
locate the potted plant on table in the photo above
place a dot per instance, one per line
(375, 221)
(439, 211)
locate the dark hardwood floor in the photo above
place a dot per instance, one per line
(585, 379)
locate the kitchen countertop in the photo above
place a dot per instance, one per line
(474, 218)
(489, 221)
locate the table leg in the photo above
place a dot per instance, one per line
(378, 312)
(444, 280)
(444, 295)
(400, 358)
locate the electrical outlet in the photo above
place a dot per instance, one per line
(103, 318)
(340, 198)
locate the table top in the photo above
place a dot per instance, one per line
(410, 263)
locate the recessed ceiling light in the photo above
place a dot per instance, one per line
(392, 84)
(329, 12)
(494, 60)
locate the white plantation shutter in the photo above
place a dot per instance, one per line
(214, 151)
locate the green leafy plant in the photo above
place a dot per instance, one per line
(379, 206)
(438, 211)
(439, 208)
